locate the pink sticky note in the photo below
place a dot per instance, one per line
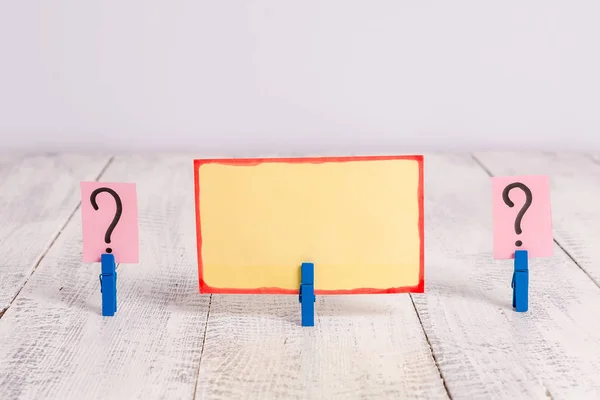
(124, 238)
(536, 222)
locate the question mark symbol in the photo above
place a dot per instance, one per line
(117, 216)
(510, 203)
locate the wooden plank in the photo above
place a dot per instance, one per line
(575, 186)
(39, 193)
(484, 348)
(363, 346)
(594, 156)
(54, 341)
(369, 346)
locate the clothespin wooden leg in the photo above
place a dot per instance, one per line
(307, 294)
(521, 281)
(108, 285)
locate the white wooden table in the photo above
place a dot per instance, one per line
(459, 340)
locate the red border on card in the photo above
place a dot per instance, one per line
(206, 289)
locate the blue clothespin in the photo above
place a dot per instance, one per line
(307, 294)
(520, 281)
(108, 284)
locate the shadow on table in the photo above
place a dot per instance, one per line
(463, 294)
(287, 307)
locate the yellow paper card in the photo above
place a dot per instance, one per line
(358, 219)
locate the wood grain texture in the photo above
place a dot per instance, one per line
(575, 188)
(56, 345)
(363, 346)
(38, 195)
(486, 350)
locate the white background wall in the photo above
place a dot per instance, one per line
(303, 76)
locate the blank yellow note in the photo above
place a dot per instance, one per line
(358, 221)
